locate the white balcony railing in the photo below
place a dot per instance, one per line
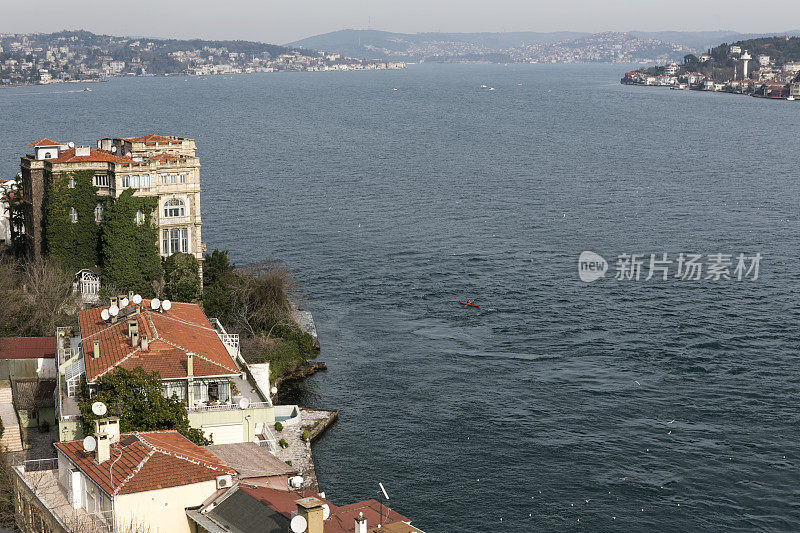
(225, 407)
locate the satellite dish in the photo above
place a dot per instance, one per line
(109, 430)
(137, 299)
(166, 305)
(383, 491)
(113, 310)
(114, 149)
(123, 303)
(71, 144)
(104, 314)
(296, 481)
(244, 403)
(89, 444)
(326, 511)
(155, 303)
(99, 408)
(298, 524)
(274, 390)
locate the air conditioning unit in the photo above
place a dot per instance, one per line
(224, 482)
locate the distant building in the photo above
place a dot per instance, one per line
(151, 165)
(671, 69)
(762, 59)
(792, 67)
(6, 190)
(704, 57)
(736, 49)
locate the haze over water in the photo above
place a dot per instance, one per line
(556, 398)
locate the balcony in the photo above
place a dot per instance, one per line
(46, 496)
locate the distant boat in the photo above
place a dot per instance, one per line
(484, 86)
(87, 90)
(394, 89)
(491, 88)
(791, 98)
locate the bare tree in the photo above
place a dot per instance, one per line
(51, 295)
(260, 297)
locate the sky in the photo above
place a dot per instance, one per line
(288, 20)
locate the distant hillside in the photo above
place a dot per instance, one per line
(375, 44)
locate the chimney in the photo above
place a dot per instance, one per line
(145, 343)
(112, 301)
(101, 424)
(96, 349)
(361, 523)
(130, 296)
(135, 338)
(82, 151)
(311, 509)
(189, 364)
(103, 452)
(133, 326)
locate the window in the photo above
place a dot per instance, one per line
(183, 177)
(139, 217)
(71, 183)
(135, 181)
(73, 215)
(174, 240)
(173, 178)
(126, 181)
(48, 155)
(174, 208)
(174, 387)
(98, 213)
(101, 180)
(145, 181)
(163, 179)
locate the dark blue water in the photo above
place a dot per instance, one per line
(551, 407)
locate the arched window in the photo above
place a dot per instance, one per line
(139, 217)
(71, 183)
(174, 208)
(98, 213)
(48, 155)
(73, 215)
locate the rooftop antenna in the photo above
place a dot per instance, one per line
(299, 524)
(99, 408)
(383, 490)
(89, 444)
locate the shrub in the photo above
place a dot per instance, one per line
(283, 443)
(305, 436)
(288, 463)
(278, 426)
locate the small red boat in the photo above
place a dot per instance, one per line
(469, 303)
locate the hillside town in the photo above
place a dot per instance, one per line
(734, 68)
(137, 412)
(28, 59)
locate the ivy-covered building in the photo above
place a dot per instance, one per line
(68, 191)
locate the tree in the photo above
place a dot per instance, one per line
(130, 244)
(218, 276)
(182, 278)
(135, 397)
(259, 297)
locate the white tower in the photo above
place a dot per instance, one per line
(746, 58)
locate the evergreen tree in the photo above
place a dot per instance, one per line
(135, 397)
(182, 278)
(130, 244)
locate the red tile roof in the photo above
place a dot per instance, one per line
(45, 142)
(173, 334)
(147, 460)
(27, 348)
(96, 155)
(151, 138)
(341, 519)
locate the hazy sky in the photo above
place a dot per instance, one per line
(287, 20)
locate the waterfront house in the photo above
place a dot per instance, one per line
(141, 481)
(152, 165)
(199, 363)
(248, 509)
(254, 464)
